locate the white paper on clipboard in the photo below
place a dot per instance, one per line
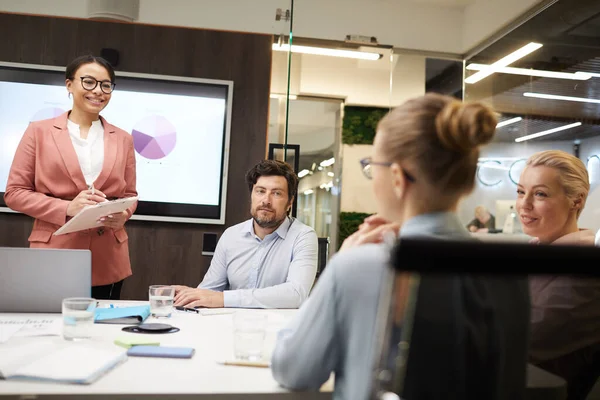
(88, 217)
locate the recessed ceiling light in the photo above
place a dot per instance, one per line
(503, 62)
(322, 51)
(577, 76)
(508, 122)
(549, 131)
(558, 97)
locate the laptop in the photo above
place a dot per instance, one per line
(37, 280)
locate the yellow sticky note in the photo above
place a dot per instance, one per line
(130, 341)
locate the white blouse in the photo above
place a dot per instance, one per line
(90, 151)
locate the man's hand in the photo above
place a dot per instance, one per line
(372, 230)
(192, 297)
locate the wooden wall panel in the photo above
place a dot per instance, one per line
(160, 252)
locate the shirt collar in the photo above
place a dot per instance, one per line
(437, 223)
(281, 231)
(96, 126)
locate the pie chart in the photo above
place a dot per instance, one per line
(154, 137)
(47, 113)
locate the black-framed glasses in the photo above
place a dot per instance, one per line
(89, 83)
(368, 161)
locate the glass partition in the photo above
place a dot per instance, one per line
(546, 99)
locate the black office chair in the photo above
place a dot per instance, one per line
(458, 348)
(323, 255)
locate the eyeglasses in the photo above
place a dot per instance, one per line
(366, 168)
(89, 83)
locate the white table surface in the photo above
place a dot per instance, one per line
(200, 376)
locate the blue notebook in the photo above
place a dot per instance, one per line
(122, 315)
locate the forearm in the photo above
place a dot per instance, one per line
(285, 295)
(37, 205)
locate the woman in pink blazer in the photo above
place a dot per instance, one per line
(78, 159)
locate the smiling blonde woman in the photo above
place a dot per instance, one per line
(565, 325)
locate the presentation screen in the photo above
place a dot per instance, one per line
(180, 128)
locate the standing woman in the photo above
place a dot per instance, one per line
(77, 159)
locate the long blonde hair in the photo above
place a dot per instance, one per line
(573, 175)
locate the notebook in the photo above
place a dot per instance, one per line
(75, 363)
(122, 315)
(89, 215)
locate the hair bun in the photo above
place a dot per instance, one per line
(463, 127)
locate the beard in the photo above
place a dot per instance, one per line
(270, 220)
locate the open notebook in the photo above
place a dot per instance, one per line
(78, 363)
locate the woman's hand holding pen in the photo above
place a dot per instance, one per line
(85, 198)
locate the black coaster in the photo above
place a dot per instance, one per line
(151, 328)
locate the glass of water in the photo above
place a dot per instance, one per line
(78, 317)
(249, 330)
(161, 300)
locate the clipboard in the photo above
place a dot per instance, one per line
(89, 215)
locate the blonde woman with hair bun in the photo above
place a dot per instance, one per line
(423, 163)
(565, 315)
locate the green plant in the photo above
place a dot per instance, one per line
(349, 222)
(360, 124)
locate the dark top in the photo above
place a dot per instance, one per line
(490, 224)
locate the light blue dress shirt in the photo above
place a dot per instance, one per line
(275, 272)
(334, 329)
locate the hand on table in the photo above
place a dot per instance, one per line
(192, 297)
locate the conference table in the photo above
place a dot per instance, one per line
(202, 376)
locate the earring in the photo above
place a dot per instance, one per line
(69, 95)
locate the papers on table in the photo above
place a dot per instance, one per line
(27, 327)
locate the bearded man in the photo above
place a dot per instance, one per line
(268, 261)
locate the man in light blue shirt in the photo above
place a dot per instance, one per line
(268, 261)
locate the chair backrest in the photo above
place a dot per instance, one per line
(470, 330)
(323, 254)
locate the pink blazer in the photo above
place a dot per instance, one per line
(45, 175)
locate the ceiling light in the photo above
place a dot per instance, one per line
(328, 162)
(309, 191)
(591, 74)
(508, 122)
(503, 62)
(578, 76)
(557, 97)
(321, 51)
(303, 173)
(549, 131)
